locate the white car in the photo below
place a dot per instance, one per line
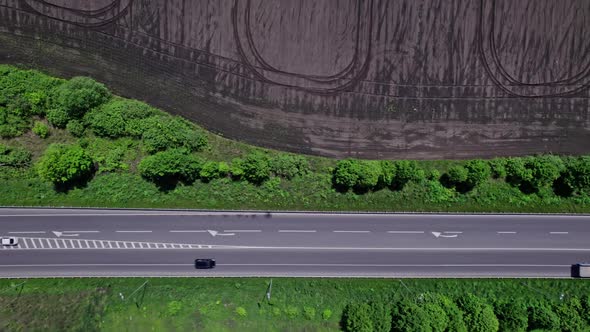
(9, 241)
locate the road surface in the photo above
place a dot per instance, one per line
(59, 242)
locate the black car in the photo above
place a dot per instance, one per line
(204, 263)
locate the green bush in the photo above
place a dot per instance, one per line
(167, 168)
(174, 308)
(433, 175)
(26, 88)
(292, 312)
(14, 157)
(457, 175)
(346, 174)
(164, 132)
(326, 314)
(40, 129)
(361, 175)
(498, 168)
(478, 171)
(576, 175)
(105, 122)
(236, 169)
(437, 317)
(309, 313)
(256, 167)
(512, 316)
(289, 166)
(387, 173)
(570, 316)
(79, 95)
(209, 171)
(241, 311)
(409, 317)
(406, 171)
(542, 317)
(64, 164)
(454, 314)
(358, 318)
(58, 117)
(75, 128)
(12, 124)
(532, 173)
(381, 317)
(586, 307)
(478, 315)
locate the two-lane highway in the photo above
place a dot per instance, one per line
(165, 243)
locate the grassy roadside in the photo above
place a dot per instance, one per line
(211, 304)
(117, 182)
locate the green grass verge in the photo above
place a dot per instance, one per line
(211, 304)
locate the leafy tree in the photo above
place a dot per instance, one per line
(517, 172)
(533, 173)
(569, 313)
(456, 321)
(65, 164)
(209, 171)
(478, 315)
(405, 171)
(76, 128)
(161, 133)
(512, 316)
(433, 175)
(478, 171)
(409, 317)
(289, 166)
(167, 168)
(58, 117)
(576, 175)
(437, 317)
(346, 174)
(368, 176)
(14, 157)
(381, 316)
(79, 95)
(457, 175)
(12, 124)
(256, 167)
(387, 173)
(40, 129)
(542, 317)
(498, 168)
(357, 318)
(105, 122)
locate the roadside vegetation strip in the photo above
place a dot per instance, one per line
(223, 304)
(72, 143)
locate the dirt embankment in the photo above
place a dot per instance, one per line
(372, 79)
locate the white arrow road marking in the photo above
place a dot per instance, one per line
(216, 233)
(439, 234)
(60, 234)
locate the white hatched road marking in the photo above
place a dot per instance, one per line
(27, 243)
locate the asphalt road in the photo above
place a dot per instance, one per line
(165, 243)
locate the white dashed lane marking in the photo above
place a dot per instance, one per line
(558, 232)
(506, 232)
(296, 231)
(351, 231)
(406, 232)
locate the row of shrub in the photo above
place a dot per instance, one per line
(468, 313)
(82, 104)
(71, 164)
(565, 175)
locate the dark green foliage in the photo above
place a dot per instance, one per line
(361, 175)
(512, 315)
(586, 307)
(541, 316)
(532, 173)
(120, 117)
(40, 129)
(358, 318)
(12, 124)
(58, 117)
(569, 313)
(79, 95)
(456, 322)
(236, 169)
(76, 128)
(161, 133)
(433, 175)
(14, 157)
(167, 168)
(289, 166)
(213, 170)
(457, 175)
(381, 316)
(25, 89)
(575, 179)
(405, 171)
(64, 164)
(387, 173)
(478, 171)
(409, 317)
(478, 315)
(498, 168)
(256, 167)
(105, 122)
(437, 317)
